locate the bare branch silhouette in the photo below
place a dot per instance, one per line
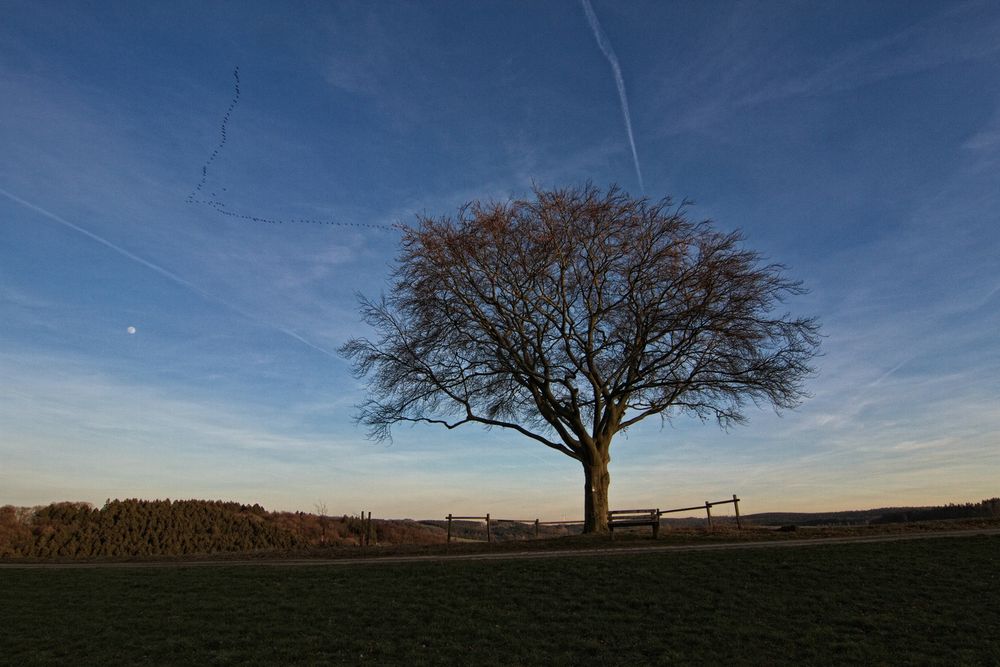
(574, 315)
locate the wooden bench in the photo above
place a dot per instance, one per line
(626, 518)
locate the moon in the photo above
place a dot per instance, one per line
(130, 330)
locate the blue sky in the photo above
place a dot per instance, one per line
(856, 142)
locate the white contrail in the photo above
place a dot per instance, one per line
(609, 53)
(162, 271)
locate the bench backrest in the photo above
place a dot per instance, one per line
(626, 515)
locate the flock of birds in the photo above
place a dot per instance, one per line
(198, 196)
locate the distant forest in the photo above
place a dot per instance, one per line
(989, 508)
(128, 528)
(983, 509)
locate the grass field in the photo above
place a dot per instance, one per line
(912, 602)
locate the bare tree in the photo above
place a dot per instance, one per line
(321, 513)
(574, 315)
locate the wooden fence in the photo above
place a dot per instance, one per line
(657, 512)
(491, 522)
(708, 510)
(489, 532)
(368, 536)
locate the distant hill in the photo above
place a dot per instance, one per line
(983, 509)
(850, 517)
(502, 531)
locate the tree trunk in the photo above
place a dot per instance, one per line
(595, 496)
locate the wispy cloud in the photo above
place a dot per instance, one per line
(616, 70)
(985, 144)
(169, 275)
(751, 58)
(20, 298)
(924, 45)
(110, 435)
(107, 435)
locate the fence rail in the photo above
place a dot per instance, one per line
(708, 509)
(734, 501)
(489, 532)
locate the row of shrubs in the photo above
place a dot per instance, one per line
(133, 527)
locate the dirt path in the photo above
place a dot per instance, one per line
(518, 555)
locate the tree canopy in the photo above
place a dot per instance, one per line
(574, 314)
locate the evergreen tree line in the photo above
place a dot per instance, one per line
(139, 528)
(133, 527)
(984, 509)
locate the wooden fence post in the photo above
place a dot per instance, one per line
(708, 512)
(372, 538)
(449, 528)
(489, 534)
(656, 526)
(736, 504)
(536, 528)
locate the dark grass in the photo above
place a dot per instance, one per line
(913, 602)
